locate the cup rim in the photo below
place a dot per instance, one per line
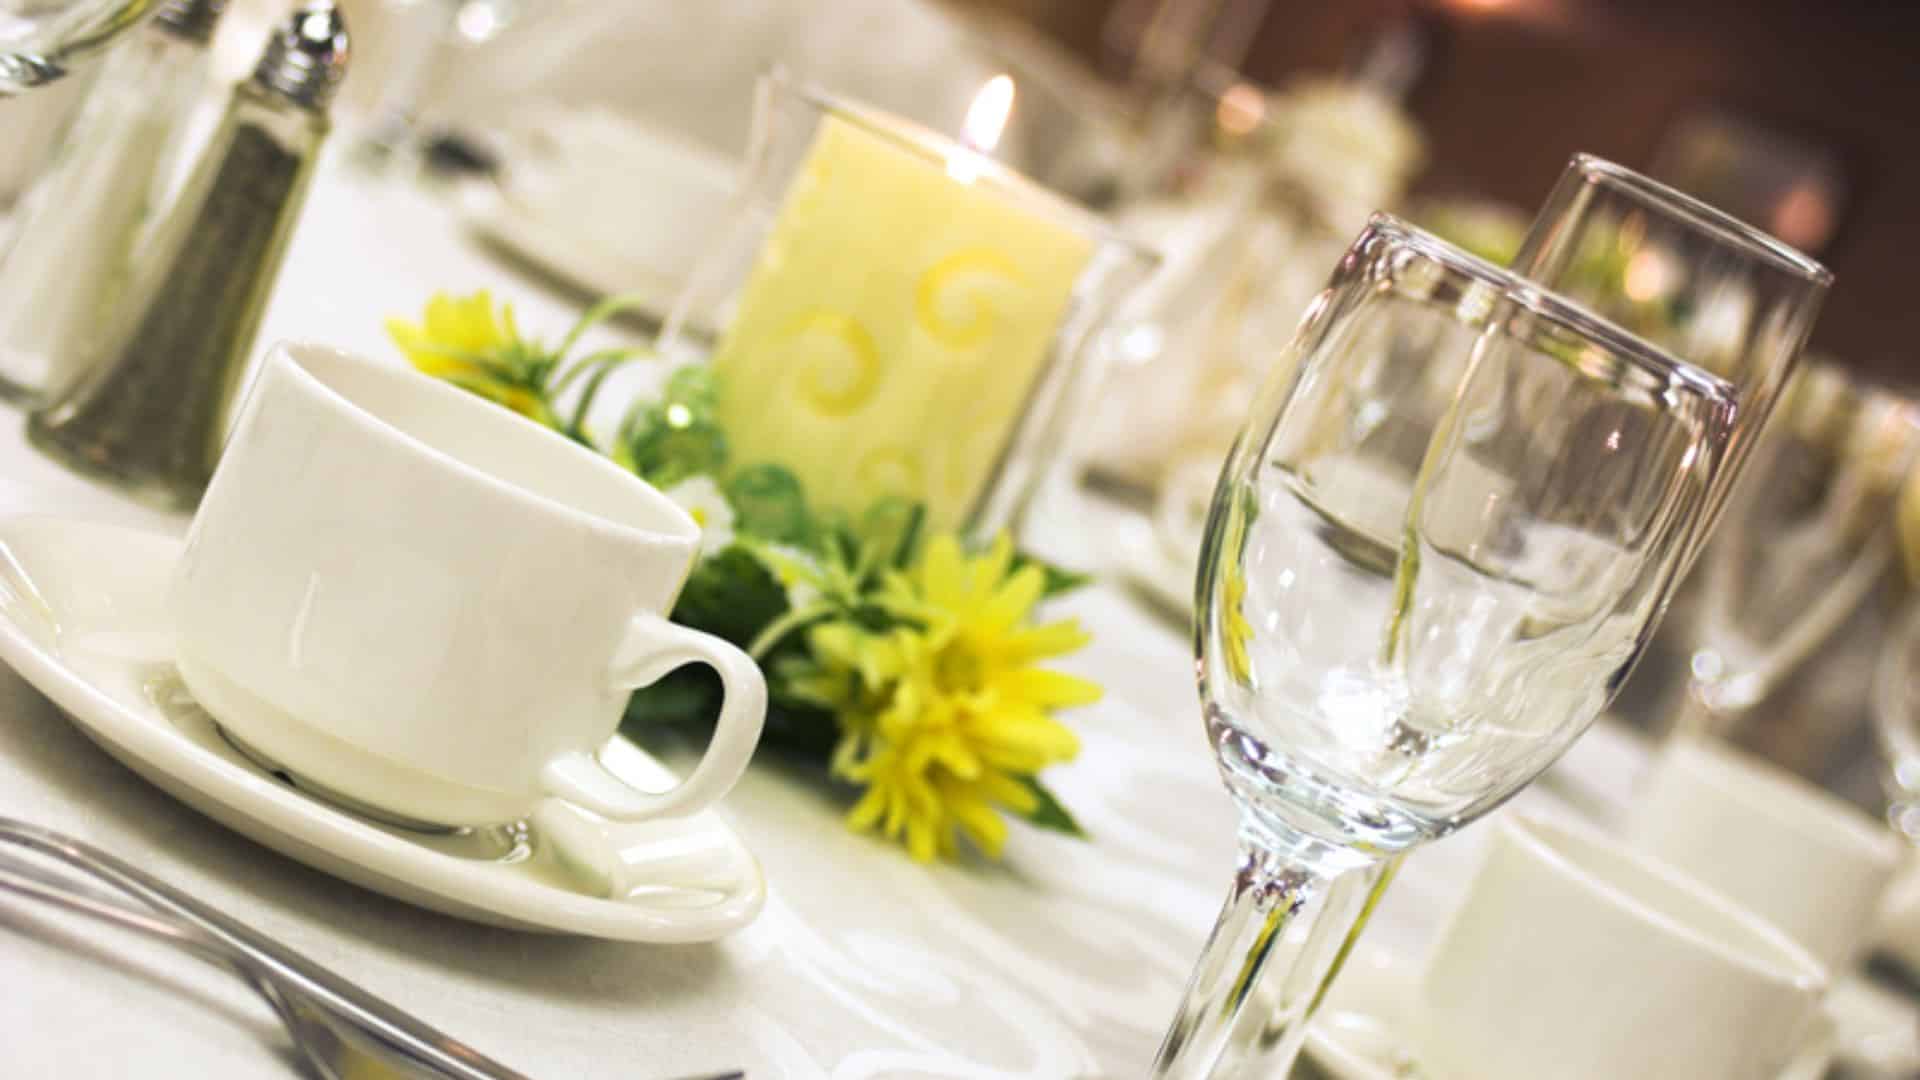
(1708, 218)
(1790, 961)
(925, 142)
(1620, 343)
(293, 355)
(1781, 797)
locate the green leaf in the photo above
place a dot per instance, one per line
(889, 532)
(1049, 813)
(665, 451)
(688, 697)
(768, 503)
(694, 386)
(730, 594)
(1060, 580)
(599, 313)
(808, 730)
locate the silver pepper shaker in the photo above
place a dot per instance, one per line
(72, 253)
(151, 417)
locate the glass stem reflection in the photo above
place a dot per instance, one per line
(1278, 942)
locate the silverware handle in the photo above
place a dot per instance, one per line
(404, 1034)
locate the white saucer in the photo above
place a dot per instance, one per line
(1359, 1032)
(82, 618)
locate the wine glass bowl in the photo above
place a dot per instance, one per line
(1399, 632)
(1435, 551)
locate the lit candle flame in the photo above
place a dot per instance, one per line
(987, 116)
(986, 122)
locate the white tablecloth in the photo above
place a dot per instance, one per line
(1063, 961)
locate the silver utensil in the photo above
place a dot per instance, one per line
(339, 1028)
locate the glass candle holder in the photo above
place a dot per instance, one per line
(901, 316)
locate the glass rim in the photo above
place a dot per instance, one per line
(1616, 340)
(1593, 170)
(926, 143)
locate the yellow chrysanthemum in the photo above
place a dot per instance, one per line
(945, 723)
(468, 342)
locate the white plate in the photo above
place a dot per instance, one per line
(499, 219)
(1359, 1031)
(605, 202)
(82, 618)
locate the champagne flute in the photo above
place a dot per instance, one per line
(1386, 656)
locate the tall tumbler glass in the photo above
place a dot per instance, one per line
(1386, 654)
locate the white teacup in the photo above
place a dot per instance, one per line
(1574, 958)
(1806, 861)
(411, 598)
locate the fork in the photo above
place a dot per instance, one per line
(340, 1029)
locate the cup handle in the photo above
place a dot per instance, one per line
(655, 647)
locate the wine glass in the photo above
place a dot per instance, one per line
(430, 33)
(1685, 277)
(41, 40)
(1689, 280)
(1807, 539)
(1385, 655)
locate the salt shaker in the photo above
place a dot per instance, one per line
(71, 257)
(151, 417)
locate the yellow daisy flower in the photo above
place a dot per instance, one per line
(468, 342)
(944, 724)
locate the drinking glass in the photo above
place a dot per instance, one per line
(1687, 278)
(1807, 538)
(1385, 655)
(41, 40)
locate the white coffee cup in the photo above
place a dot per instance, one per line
(1575, 958)
(1806, 861)
(411, 598)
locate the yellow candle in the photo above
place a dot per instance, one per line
(894, 326)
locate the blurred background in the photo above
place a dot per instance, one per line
(1795, 116)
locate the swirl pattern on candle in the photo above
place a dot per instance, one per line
(964, 280)
(838, 364)
(891, 470)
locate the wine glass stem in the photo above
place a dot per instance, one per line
(1277, 942)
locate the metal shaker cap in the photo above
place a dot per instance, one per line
(193, 20)
(306, 56)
